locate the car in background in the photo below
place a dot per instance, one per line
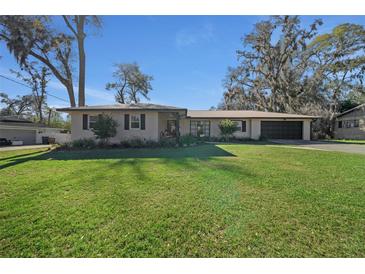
(5, 142)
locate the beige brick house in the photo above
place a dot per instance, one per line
(351, 124)
(152, 122)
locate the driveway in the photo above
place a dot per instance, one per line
(323, 145)
(23, 147)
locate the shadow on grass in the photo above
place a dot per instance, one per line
(200, 152)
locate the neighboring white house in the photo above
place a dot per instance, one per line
(351, 124)
(28, 133)
(152, 122)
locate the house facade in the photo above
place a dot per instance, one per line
(351, 124)
(153, 122)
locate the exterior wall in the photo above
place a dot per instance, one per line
(61, 138)
(353, 132)
(214, 127)
(150, 133)
(307, 130)
(156, 122)
(255, 129)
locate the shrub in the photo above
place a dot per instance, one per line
(139, 143)
(227, 128)
(136, 143)
(263, 138)
(104, 128)
(152, 144)
(84, 143)
(167, 142)
(188, 140)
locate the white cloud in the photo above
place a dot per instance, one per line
(188, 37)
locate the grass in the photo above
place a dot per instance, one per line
(349, 141)
(205, 201)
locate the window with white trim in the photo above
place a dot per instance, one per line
(135, 121)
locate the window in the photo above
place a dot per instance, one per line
(200, 128)
(356, 123)
(243, 126)
(92, 121)
(349, 123)
(135, 121)
(238, 125)
(339, 124)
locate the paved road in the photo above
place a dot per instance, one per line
(323, 145)
(23, 147)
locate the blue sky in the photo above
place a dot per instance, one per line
(188, 56)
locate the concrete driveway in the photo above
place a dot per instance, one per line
(323, 145)
(9, 148)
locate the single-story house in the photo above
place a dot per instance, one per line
(26, 132)
(351, 124)
(152, 122)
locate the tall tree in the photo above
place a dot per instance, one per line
(19, 106)
(36, 78)
(339, 56)
(76, 25)
(130, 83)
(273, 67)
(33, 36)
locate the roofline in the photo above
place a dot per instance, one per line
(32, 127)
(350, 110)
(116, 109)
(253, 117)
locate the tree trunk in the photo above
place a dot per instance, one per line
(49, 116)
(71, 95)
(82, 58)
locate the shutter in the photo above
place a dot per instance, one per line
(126, 121)
(243, 126)
(85, 121)
(143, 121)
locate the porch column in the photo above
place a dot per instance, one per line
(177, 116)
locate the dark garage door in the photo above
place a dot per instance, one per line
(281, 129)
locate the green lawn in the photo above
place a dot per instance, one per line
(206, 201)
(349, 141)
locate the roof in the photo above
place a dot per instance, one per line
(351, 110)
(14, 119)
(137, 106)
(20, 122)
(239, 114)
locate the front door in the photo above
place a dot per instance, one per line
(171, 128)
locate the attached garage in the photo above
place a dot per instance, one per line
(27, 136)
(282, 129)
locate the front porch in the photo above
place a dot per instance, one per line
(169, 124)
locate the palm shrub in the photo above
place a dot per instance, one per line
(227, 128)
(104, 128)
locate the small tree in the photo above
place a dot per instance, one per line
(104, 128)
(227, 128)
